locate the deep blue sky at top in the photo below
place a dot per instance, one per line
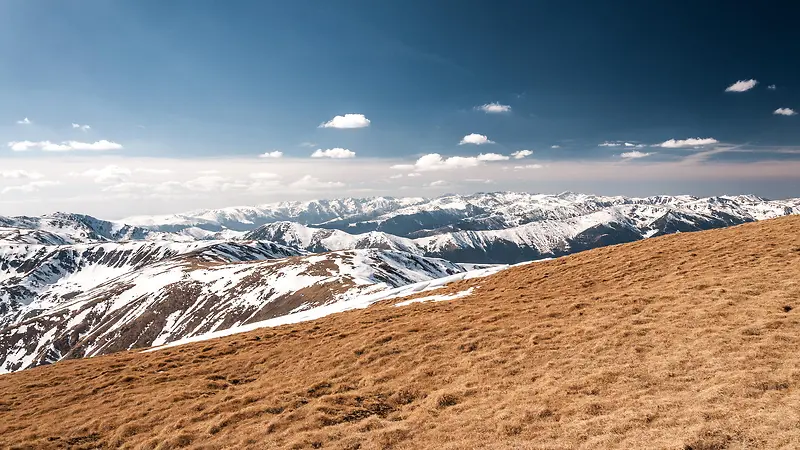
(202, 77)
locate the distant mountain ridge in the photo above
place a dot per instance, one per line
(412, 217)
(72, 285)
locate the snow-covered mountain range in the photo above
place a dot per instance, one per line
(73, 285)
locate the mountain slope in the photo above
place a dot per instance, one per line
(34, 278)
(195, 293)
(682, 341)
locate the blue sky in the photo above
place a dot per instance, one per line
(211, 83)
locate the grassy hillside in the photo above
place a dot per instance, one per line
(687, 341)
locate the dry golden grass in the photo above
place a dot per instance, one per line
(681, 342)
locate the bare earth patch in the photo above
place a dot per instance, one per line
(687, 341)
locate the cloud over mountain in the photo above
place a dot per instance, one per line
(691, 142)
(635, 154)
(335, 153)
(475, 139)
(347, 121)
(66, 146)
(521, 154)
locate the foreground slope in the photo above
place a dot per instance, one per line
(683, 341)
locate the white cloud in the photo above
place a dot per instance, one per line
(53, 147)
(208, 172)
(310, 182)
(434, 161)
(492, 157)
(101, 145)
(439, 183)
(30, 187)
(153, 171)
(521, 154)
(479, 180)
(206, 183)
(403, 167)
(634, 154)
(772, 87)
(691, 142)
(785, 112)
(81, 127)
(347, 121)
(609, 144)
(24, 121)
(336, 153)
(47, 146)
(22, 146)
(107, 174)
(308, 144)
(272, 154)
(414, 174)
(528, 167)
(741, 86)
(264, 176)
(494, 108)
(476, 139)
(18, 173)
(394, 177)
(555, 146)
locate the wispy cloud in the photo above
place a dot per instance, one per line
(784, 112)
(609, 144)
(310, 182)
(308, 144)
(108, 174)
(78, 126)
(47, 146)
(18, 173)
(438, 183)
(494, 108)
(492, 157)
(24, 121)
(335, 153)
(347, 121)
(264, 176)
(528, 167)
(555, 146)
(634, 154)
(772, 87)
(475, 139)
(521, 154)
(691, 142)
(741, 86)
(30, 187)
(153, 171)
(272, 154)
